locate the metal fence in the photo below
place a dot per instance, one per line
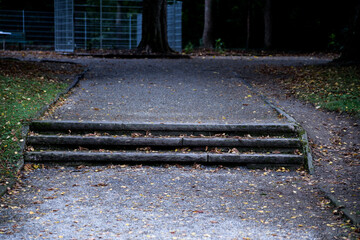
(174, 28)
(76, 24)
(64, 25)
(116, 24)
(106, 24)
(29, 29)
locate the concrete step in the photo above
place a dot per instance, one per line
(160, 157)
(48, 140)
(114, 142)
(156, 129)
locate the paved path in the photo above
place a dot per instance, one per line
(186, 91)
(162, 202)
(123, 202)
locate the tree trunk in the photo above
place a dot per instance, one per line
(208, 33)
(154, 27)
(118, 22)
(268, 24)
(248, 23)
(351, 51)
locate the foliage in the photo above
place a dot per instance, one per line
(336, 88)
(219, 45)
(297, 25)
(189, 48)
(334, 44)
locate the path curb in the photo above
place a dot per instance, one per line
(130, 56)
(301, 131)
(8, 185)
(354, 220)
(59, 95)
(304, 138)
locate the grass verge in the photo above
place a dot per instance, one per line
(25, 88)
(331, 87)
(21, 99)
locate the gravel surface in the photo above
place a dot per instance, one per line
(200, 90)
(171, 202)
(157, 90)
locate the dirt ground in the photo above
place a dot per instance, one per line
(38, 70)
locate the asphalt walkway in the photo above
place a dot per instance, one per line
(157, 90)
(140, 202)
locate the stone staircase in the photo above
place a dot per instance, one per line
(72, 142)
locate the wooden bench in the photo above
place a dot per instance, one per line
(17, 38)
(4, 35)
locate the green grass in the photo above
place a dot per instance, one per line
(20, 99)
(336, 88)
(332, 88)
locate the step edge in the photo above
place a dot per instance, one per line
(163, 157)
(172, 141)
(121, 126)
